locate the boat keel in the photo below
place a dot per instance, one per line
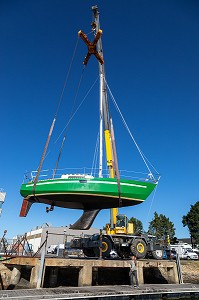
(86, 219)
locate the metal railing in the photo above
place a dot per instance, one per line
(124, 174)
(15, 247)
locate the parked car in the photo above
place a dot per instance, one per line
(60, 250)
(189, 254)
(51, 249)
(196, 251)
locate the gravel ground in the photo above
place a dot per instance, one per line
(190, 271)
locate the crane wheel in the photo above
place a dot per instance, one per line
(106, 247)
(138, 248)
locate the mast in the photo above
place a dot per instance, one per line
(104, 117)
(95, 48)
(96, 27)
(104, 114)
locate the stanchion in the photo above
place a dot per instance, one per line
(100, 244)
(42, 262)
(178, 264)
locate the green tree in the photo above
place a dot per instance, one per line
(137, 224)
(161, 227)
(191, 220)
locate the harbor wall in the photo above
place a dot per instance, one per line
(83, 272)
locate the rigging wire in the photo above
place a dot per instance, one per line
(74, 114)
(66, 129)
(88, 92)
(66, 80)
(152, 166)
(152, 201)
(94, 163)
(54, 120)
(125, 124)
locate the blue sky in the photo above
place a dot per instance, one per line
(152, 66)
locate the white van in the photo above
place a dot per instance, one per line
(184, 251)
(51, 249)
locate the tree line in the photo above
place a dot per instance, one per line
(162, 227)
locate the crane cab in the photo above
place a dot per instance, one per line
(122, 226)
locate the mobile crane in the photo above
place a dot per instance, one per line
(119, 241)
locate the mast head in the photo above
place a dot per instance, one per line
(95, 9)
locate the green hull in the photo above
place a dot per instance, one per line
(92, 193)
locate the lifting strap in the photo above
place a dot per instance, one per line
(43, 154)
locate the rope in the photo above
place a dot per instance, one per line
(125, 124)
(53, 122)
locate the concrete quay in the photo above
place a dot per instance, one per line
(54, 272)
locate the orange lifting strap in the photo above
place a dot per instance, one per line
(91, 46)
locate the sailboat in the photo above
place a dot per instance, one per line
(82, 190)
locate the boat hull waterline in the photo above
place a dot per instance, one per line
(95, 193)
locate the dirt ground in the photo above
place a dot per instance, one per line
(190, 271)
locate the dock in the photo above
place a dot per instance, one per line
(81, 272)
(82, 278)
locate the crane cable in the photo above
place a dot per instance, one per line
(54, 120)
